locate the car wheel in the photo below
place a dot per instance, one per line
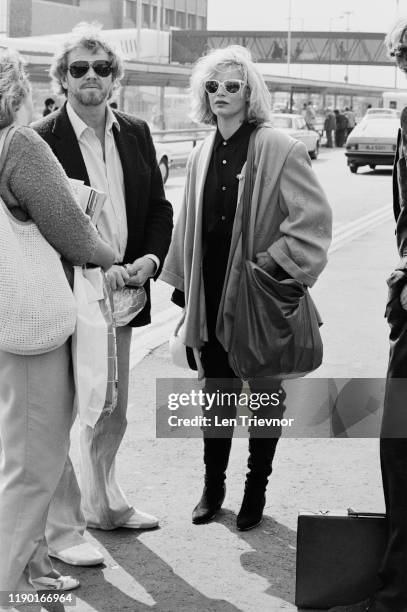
(353, 168)
(314, 154)
(163, 165)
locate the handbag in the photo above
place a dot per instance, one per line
(37, 307)
(94, 347)
(338, 557)
(127, 303)
(276, 325)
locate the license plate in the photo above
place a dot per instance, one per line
(376, 147)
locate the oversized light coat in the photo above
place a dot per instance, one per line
(290, 219)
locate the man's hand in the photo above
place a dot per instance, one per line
(117, 277)
(140, 271)
(265, 261)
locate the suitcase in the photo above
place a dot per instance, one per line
(338, 557)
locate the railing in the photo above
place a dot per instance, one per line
(187, 135)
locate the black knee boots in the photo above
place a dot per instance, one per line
(261, 454)
(216, 457)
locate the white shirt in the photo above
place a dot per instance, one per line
(106, 174)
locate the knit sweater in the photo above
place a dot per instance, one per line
(34, 186)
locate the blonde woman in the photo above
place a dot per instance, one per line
(36, 392)
(290, 238)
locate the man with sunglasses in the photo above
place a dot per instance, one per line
(392, 593)
(114, 153)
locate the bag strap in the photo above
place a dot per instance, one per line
(247, 194)
(8, 135)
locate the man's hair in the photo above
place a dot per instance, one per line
(395, 35)
(14, 85)
(229, 58)
(87, 36)
(49, 101)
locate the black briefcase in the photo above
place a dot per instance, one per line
(338, 557)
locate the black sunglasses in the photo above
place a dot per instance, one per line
(79, 68)
(231, 86)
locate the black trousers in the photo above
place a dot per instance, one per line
(219, 376)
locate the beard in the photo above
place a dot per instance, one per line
(91, 97)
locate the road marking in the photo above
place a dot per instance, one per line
(146, 339)
(348, 231)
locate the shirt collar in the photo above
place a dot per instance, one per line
(241, 133)
(79, 126)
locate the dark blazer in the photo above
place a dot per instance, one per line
(396, 315)
(149, 214)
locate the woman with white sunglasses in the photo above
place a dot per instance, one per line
(290, 237)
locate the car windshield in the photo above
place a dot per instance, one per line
(380, 117)
(282, 122)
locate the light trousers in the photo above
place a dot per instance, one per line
(99, 502)
(36, 397)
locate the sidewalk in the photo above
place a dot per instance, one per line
(185, 568)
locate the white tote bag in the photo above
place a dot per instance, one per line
(37, 307)
(94, 361)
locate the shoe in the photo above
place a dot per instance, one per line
(209, 504)
(140, 520)
(82, 554)
(216, 458)
(367, 605)
(62, 583)
(261, 454)
(251, 511)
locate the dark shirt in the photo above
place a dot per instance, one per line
(221, 185)
(219, 208)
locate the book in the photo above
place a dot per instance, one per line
(91, 200)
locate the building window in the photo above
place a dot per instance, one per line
(201, 23)
(191, 22)
(146, 16)
(169, 17)
(180, 19)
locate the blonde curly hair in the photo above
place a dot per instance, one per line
(88, 36)
(232, 57)
(14, 85)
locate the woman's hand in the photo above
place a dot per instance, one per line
(265, 261)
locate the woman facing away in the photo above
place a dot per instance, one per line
(290, 235)
(36, 391)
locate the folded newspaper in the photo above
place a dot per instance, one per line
(91, 200)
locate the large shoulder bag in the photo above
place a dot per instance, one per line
(37, 307)
(276, 325)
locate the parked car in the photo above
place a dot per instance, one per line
(295, 126)
(383, 111)
(373, 141)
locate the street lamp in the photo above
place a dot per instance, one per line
(347, 14)
(289, 38)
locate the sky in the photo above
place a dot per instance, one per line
(323, 15)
